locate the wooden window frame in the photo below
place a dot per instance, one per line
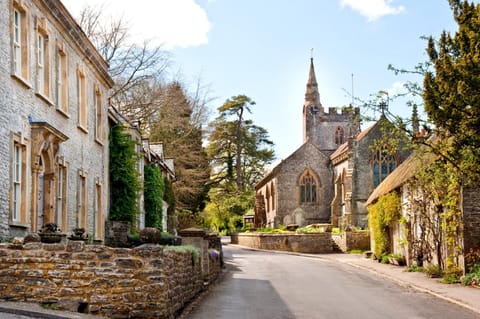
(20, 42)
(18, 181)
(61, 217)
(62, 79)
(82, 99)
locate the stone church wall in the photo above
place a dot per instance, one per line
(144, 282)
(308, 156)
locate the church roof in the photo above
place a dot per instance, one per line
(312, 96)
(270, 175)
(344, 147)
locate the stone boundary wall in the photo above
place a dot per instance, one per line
(317, 243)
(352, 240)
(143, 282)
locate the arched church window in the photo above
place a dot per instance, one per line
(272, 194)
(339, 135)
(268, 199)
(308, 188)
(382, 165)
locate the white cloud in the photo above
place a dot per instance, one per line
(173, 23)
(396, 88)
(373, 9)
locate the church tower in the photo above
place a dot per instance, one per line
(327, 130)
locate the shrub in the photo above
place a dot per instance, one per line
(150, 235)
(433, 271)
(154, 189)
(414, 268)
(473, 277)
(124, 181)
(384, 213)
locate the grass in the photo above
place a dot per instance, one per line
(186, 248)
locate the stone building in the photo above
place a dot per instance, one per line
(53, 121)
(329, 177)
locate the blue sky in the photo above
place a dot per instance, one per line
(262, 48)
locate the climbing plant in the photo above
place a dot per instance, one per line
(153, 191)
(382, 215)
(436, 214)
(169, 197)
(124, 179)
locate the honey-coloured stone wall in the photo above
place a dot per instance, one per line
(143, 282)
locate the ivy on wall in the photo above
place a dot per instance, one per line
(381, 215)
(124, 179)
(153, 192)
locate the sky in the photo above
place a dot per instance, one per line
(262, 48)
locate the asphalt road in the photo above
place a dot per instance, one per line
(268, 285)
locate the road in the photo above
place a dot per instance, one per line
(267, 285)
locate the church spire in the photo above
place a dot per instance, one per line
(312, 97)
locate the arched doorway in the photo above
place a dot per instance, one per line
(45, 147)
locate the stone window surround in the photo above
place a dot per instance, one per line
(339, 135)
(62, 79)
(20, 42)
(82, 122)
(99, 219)
(19, 218)
(309, 182)
(382, 161)
(43, 65)
(81, 218)
(98, 104)
(62, 189)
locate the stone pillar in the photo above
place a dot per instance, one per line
(198, 238)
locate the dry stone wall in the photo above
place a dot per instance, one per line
(316, 243)
(143, 282)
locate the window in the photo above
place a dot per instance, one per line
(82, 200)
(267, 199)
(82, 99)
(98, 210)
(272, 194)
(18, 181)
(308, 188)
(43, 59)
(339, 135)
(383, 164)
(20, 40)
(98, 114)
(61, 209)
(62, 79)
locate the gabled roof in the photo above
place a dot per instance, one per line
(275, 170)
(344, 147)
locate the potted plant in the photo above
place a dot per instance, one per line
(50, 233)
(77, 234)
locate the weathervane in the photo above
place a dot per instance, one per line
(311, 53)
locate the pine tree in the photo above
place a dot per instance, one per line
(452, 90)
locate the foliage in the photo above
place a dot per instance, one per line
(124, 181)
(238, 149)
(187, 218)
(433, 271)
(153, 192)
(271, 230)
(50, 228)
(435, 211)
(309, 230)
(224, 213)
(452, 275)
(166, 239)
(181, 135)
(414, 268)
(169, 197)
(381, 215)
(194, 251)
(355, 252)
(473, 277)
(452, 91)
(472, 258)
(384, 259)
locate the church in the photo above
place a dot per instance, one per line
(330, 176)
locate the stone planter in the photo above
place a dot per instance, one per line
(51, 238)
